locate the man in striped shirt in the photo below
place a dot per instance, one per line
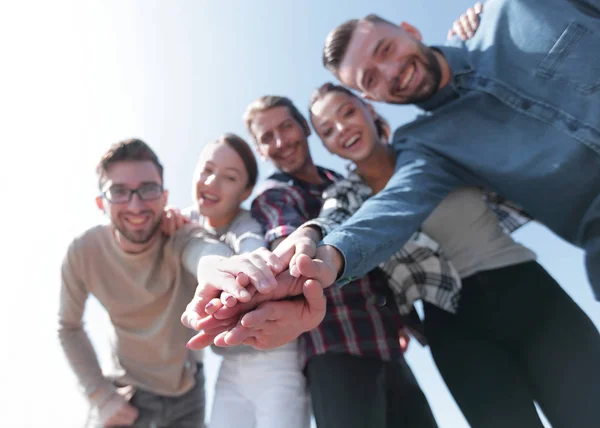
(354, 364)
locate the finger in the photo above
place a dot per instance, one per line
(237, 335)
(211, 323)
(193, 313)
(270, 259)
(457, 27)
(473, 20)
(265, 312)
(228, 300)
(221, 282)
(200, 341)
(213, 306)
(464, 21)
(316, 269)
(265, 269)
(478, 7)
(235, 266)
(314, 295)
(450, 34)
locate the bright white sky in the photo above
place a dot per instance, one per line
(77, 76)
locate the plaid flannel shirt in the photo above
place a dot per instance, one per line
(419, 270)
(362, 318)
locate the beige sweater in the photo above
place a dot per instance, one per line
(144, 295)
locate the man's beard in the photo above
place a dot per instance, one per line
(432, 78)
(138, 237)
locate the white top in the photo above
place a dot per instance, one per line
(470, 236)
(244, 234)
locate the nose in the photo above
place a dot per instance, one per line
(135, 204)
(278, 140)
(211, 180)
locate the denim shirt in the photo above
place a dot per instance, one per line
(520, 116)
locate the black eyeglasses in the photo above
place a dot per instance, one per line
(122, 194)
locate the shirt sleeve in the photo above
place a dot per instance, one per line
(191, 243)
(248, 235)
(277, 210)
(341, 200)
(386, 221)
(74, 340)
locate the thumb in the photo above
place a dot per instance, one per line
(314, 295)
(316, 269)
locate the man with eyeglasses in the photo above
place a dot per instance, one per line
(144, 280)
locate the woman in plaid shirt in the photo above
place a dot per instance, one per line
(499, 340)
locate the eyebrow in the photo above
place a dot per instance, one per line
(344, 104)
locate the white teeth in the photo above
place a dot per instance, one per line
(408, 75)
(351, 141)
(210, 197)
(136, 220)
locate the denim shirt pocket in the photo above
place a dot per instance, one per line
(571, 59)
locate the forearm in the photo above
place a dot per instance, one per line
(200, 247)
(83, 361)
(385, 222)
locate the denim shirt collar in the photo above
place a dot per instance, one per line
(459, 65)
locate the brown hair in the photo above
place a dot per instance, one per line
(132, 149)
(382, 125)
(337, 41)
(268, 102)
(242, 148)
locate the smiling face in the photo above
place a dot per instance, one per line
(345, 124)
(221, 182)
(389, 63)
(281, 139)
(136, 222)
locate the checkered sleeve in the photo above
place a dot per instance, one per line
(278, 211)
(510, 215)
(341, 200)
(417, 271)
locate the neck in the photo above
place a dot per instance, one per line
(222, 221)
(132, 247)
(309, 173)
(444, 67)
(378, 167)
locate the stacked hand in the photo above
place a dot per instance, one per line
(263, 299)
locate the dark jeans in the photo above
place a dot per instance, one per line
(517, 338)
(359, 392)
(156, 411)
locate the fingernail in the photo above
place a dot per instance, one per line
(209, 305)
(228, 299)
(295, 272)
(263, 284)
(244, 294)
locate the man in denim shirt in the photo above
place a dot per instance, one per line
(515, 109)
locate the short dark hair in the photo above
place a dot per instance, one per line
(268, 102)
(337, 41)
(382, 125)
(242, 148)
(132, 149)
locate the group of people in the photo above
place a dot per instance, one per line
(309, 295)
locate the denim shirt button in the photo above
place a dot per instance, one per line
(572, 126)
(525, 104)
(380, 300)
